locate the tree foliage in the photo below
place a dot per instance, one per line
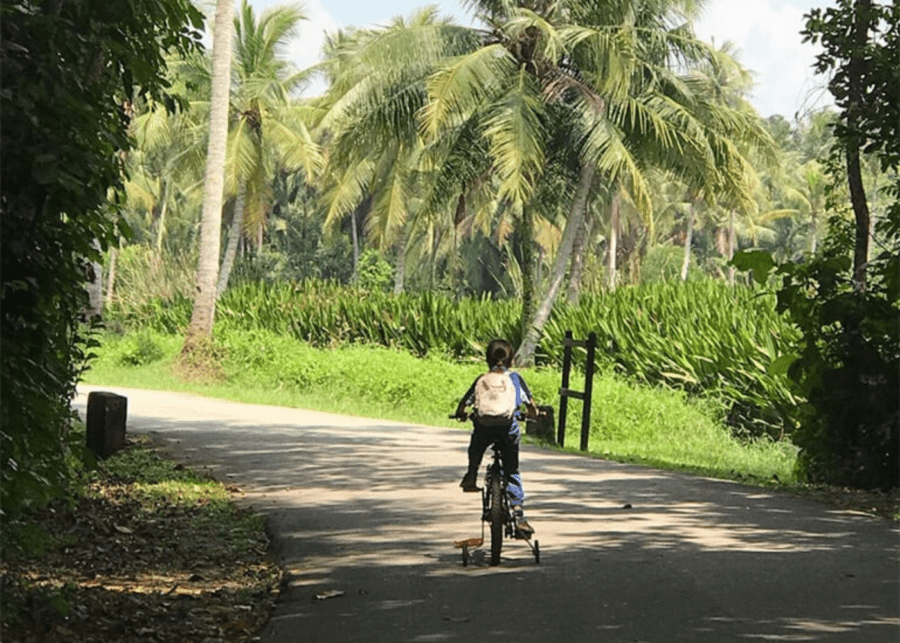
(846, 299)
(69, 70)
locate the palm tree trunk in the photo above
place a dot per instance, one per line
(576, 270)
(161, 227)
(354, 236)
(613, 245)
(234, 236)
(689, 234)
(814, 240)
(400, 266)
(575, 222)
(203, 316)
(527, 239)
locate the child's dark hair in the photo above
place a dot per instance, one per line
(499, 351)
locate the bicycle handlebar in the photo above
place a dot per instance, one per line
(466, 417)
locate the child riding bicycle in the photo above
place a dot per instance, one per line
(496, 418)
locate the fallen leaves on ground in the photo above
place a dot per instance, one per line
(885, 504)
(115, 570)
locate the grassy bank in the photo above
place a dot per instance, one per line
(703, 337)
(652, 425)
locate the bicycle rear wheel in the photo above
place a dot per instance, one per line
(496, 520)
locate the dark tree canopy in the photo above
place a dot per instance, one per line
(70, 69)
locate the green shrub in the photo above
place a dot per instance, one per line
(662, 263)
(140, 348)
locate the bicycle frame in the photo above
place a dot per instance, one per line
(495, 471)
(497, 511)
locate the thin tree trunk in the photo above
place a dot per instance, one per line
(856, 91)
(234, 237)
(731, 248)
(575, 221)
(111, 275)
(161, 227)
(354, 236)
(203, 316)
(400, 266)
(527, 240)
(613, 245)
(688, 238)
(814, 241)
(576, 271)
(863, 223)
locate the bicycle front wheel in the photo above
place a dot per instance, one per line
(496, 520)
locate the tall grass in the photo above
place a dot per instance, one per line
(654, 425)
(702, 337)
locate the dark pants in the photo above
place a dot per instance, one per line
(482, 438)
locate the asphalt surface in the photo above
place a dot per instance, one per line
(364, 514)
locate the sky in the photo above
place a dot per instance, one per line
(765, 32)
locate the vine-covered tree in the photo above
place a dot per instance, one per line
(69, 70)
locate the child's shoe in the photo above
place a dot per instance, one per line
(523, 529)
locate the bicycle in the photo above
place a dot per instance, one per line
(497, 512)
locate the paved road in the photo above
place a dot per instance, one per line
(371, 508)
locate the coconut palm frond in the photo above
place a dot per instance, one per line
(516, 134)
(458, 89)
(350, 189)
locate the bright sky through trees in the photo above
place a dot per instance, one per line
(765, 31)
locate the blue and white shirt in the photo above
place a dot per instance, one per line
(523, 393)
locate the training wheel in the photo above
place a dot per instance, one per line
(465, 555)
(537, 553)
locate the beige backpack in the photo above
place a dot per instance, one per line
(495, 399)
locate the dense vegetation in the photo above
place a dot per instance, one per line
(568, 150)
(68, 68)
(704, 337)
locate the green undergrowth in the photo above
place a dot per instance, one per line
(657, 426)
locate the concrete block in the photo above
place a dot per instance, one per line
(106, 416)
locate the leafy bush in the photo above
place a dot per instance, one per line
(703, 337)
(847, 363)
(374, 272)
(662, 263)
(140, 348)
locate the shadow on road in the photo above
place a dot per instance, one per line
(372, 511)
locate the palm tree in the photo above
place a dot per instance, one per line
(203, 315)
(269, 131)
(164, 175)
(548, 90)
(373, 148)
(605, 75)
